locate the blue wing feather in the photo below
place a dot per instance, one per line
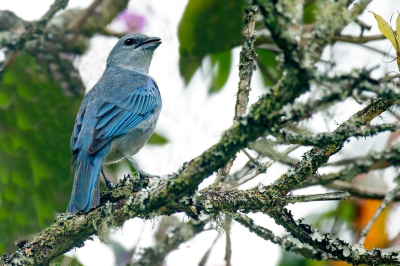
(75, 134)
(115, 119)
(105, 108)
(107, 117)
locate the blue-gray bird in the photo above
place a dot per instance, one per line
(117, 117)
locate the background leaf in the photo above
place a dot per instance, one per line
(208, 27)
(268, 66)
(221, 64)
(36, 119)
(157, 139)
(309, 12)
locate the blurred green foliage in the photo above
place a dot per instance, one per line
(157, 139)
(298, 260)
(209, 27)
(212, 28)
(65, 260)
(309, 12)
(36, 120)
(221, 62)
(345, 213)
(268, 66)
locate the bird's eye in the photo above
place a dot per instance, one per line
(129, 41)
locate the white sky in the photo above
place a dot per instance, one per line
(193, 121)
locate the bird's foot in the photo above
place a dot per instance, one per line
(110, 185)
(143, 176)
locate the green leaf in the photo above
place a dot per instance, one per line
(5, 98)
(4, 176)
(36, 118)
(268, 66)
(222, 63)
(65, 260)
(208, 27)
(157, 139)
(398, 28)
(298, 260)
(188, 66)
(23, 119)
(309, 12)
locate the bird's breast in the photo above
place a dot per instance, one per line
(132, 141)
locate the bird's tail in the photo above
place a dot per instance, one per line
(85, 192)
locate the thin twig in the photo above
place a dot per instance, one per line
(320, 197)
(360, 191)
(223, 174)
(326, 138)
(228, 246)
(357, 39)
(287, 243)
(247, 62)
(251, 158)
(206, 255)
(387, 200)
(362, 24)
(262, 169)
(246, 68)
(77, 23)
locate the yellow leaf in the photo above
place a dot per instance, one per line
(386, 30)
(398, 27)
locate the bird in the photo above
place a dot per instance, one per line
(116, 118)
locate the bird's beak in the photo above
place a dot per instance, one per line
(151, 42)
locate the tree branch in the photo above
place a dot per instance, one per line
(287, 243)
(358, 39)
(354, 254)
(247, 63)
(387, 200)
(324, 139)
(30, 33)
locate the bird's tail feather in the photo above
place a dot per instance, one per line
(85, 192)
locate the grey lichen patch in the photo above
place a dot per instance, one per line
(186, 200)
(290, 15)
(129, 201)
(141, 198)
(207, 204)
(316, 236)
(103, 225)
(203, 216)
(22, 260)
(331, 18)
(346, 251)
(63, 217)
(358, 251)
(196, 198)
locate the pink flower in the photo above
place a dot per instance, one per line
(132, 21)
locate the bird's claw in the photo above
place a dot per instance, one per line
(143, 175)
(110, 185)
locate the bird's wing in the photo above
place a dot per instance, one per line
(117, 118)
(77, 130)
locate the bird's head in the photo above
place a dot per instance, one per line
(134, 52)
